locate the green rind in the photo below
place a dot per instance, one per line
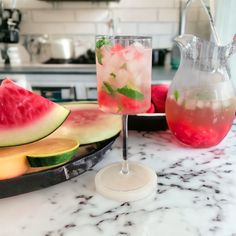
(55, 159)
(29, 135)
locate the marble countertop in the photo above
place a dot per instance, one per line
(196, 196)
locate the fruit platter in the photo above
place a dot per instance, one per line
(43, 143)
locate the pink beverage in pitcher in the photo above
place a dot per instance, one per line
(200, 105)
(123, 75)
(200, 123)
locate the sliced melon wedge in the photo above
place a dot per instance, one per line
(12, 162)
(25, 116)
(88, 124)
(52, 151)
(18, 160)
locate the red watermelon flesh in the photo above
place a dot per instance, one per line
(151, 109)
(25, 116)
(159, 94)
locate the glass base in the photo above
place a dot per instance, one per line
(140, 182)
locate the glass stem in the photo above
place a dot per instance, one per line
(125, 165)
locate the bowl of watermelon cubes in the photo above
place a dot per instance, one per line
(155, 118)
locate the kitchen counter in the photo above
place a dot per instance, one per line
(49, 69)
(158, 73)
(196, 196)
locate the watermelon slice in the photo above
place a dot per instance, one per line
(25, 116)
(87, 124)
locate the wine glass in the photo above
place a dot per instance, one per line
(123, 66)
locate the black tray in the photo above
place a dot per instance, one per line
(147, 122)
(87, 157)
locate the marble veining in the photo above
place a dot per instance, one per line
(195, 196)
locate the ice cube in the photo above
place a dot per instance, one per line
(226, 103)
(200, 104)
(138, 45)
(207, 104)
(180, 101)
(215, 105)
(190, 104)
(122, 78)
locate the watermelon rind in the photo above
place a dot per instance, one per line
(41, 159)
(39, 129)
(104, 125)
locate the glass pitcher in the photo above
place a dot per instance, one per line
(201, 102)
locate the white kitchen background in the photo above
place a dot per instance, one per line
(82, 20)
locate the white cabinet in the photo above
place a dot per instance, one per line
(64, 86)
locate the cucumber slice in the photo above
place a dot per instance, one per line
(52, 151)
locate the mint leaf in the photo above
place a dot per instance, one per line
(102, 42)
(124, 66)
(113, 75)
(176, 95)
(108, 88)
(99, 56)
(131, 93)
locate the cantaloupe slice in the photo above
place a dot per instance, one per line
(52, 151)
(12, 162)
(17, 160)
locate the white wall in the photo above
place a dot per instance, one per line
(158, 18)
(226, 27)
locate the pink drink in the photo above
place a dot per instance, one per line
(200, 123)
(123, 77)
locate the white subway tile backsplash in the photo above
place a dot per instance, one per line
(63, 28)
(162, 41)
(168, 15)
(82, 5)
(202, 15)
(192, 15)
(80, 28)
(155, 28)
(193, 4)
(122, 29)
(155, 41)
(93, 15)
(165, 41)
(87, 41)
(136, 15)
(191, 28)
(26, 15)
(158, 18)
(102, 28)
(142, 4)
(53, 16)
(36, 28)
(177, 3)
(176, 29)
(29, 4)
(127, 29)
